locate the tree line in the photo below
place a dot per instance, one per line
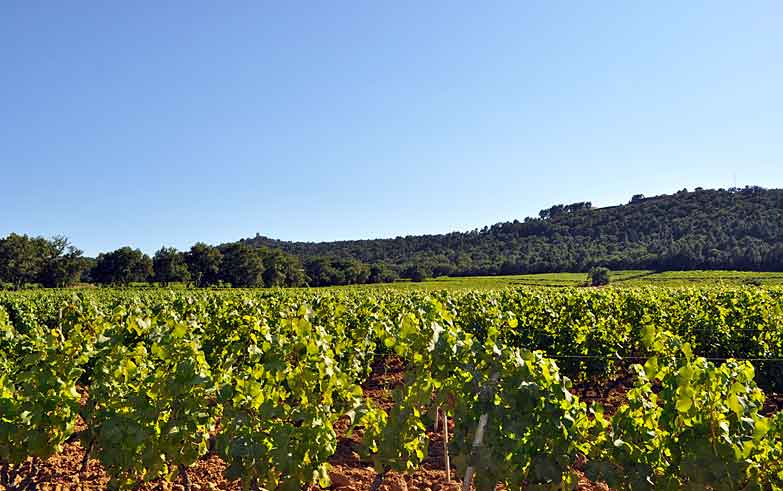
(738, 229)
(55, 262)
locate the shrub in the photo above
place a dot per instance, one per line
(599, 276)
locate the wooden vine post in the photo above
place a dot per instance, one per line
(478, 438)
(446, 460)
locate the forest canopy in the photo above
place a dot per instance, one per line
(703, 229)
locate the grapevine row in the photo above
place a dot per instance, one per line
(161, 379)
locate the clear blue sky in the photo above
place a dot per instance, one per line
(166, 123)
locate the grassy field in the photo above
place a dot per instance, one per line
(632, 278)
(628, 278)
(685, 278)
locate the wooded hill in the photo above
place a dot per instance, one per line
(703, 229)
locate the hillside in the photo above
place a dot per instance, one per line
(704, 229)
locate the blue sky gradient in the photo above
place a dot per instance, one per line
(167, 123)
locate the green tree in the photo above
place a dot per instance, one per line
(203, 262)
(599, 276)
(322, 272)
(353, 271)
(242, 266)
(416, 273)
(382, 273)
(281, 269)
(22, 259)
(63, 264)
(123, 266)
(169, 265)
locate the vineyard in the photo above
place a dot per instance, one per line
(648, 388)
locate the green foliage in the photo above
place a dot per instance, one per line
(282, 270)
(280, 405)
(705, 229)
(416, 273)
(169, 265)
(381, 273)
(203, 262)
(52, 263)
(149, 413)
(700, 428)
(735, 229)
(536, 429)
(122, 267)
(327, 271)
(39, 402)
(242, 266)
(21, 259)
(599, 276)
(280, 369)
